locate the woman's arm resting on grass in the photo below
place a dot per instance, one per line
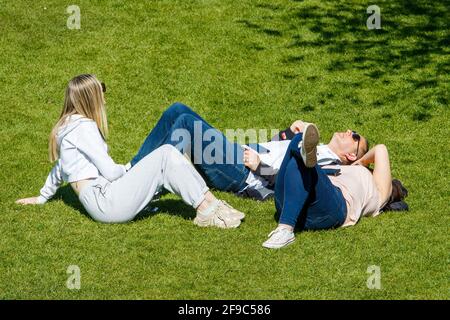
(379, 156)
(53, 182)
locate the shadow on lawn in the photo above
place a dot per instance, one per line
(414, 36)
(170, 206)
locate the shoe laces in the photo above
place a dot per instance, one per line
(219, 215)
(228, 206)
(277, 233)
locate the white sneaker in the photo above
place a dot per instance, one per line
(308, 145)
(217, 215)
(234, 213)
(279, 238)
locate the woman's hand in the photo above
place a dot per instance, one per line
(251, 158)
(32, 200)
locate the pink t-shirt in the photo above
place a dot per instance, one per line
(360, 192)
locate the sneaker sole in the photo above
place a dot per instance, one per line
(279, 246)
(204, 224)
(310, 140)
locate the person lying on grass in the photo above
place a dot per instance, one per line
(112, 192)
(307, 198)
(234, 167)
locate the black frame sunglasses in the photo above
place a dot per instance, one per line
(103, 87)
(356, 137)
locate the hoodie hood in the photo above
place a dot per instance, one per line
(71, 124)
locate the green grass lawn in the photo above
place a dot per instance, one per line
(241, 64)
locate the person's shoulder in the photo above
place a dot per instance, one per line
(80, 128)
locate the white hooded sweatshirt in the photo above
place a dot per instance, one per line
(83, 154)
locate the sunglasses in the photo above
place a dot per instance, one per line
(356, 137)
(103, 87)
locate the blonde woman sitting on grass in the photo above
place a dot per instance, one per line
(112, 192)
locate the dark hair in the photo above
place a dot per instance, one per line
(363, 150)
(396, 202)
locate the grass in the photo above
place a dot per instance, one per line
(240, 64)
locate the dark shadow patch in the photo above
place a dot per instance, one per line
(422, 116)
(69, 197)
(425, 83)
(442, 100)
(289, 76)
(308, 108)
(272, 32)
(269, 6)
(249, 24)
(375, 74)
(336, 65)
(293, 59)
(168, 206)
(377, 104)
(256, 47)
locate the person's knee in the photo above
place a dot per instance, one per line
(172, 156)
(170, 152)
(177, 109)
(185, 121)
(168, 149)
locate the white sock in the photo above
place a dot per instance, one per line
(210, 209)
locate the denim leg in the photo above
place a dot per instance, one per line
(279, 184)
(327, 208)
(218, 160)
(160, 132)
(306, 197)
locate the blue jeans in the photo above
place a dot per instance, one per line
(305, 197)
(222, 168)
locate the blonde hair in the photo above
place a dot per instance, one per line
(84, 96)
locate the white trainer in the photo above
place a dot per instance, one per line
(308, 145)
(234, 212)
(279, 238)
(217, 215)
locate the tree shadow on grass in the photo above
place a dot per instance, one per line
(169, 206)
(340, 27)
(414, 36)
